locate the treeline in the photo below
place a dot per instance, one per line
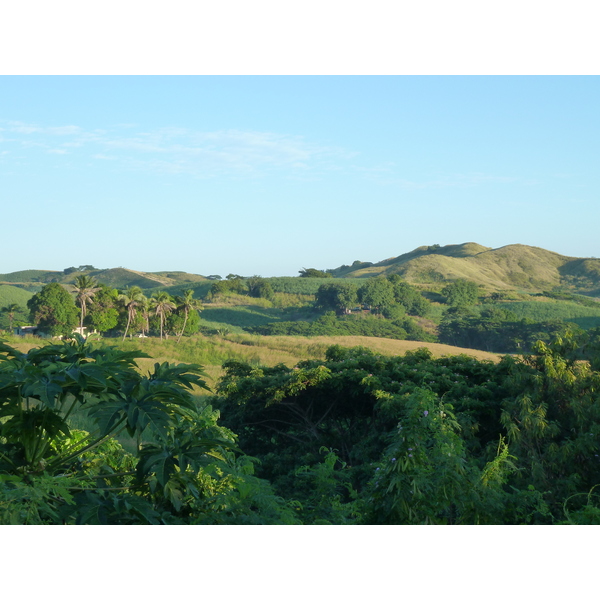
(498, 330)
(98, 307)
(379, 307)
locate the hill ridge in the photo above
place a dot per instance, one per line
(510, 267)
(513, 266)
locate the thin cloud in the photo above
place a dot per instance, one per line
(179, 150)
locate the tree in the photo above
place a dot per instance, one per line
(85, 289)
(378, 293)
(186, 303)
(409, 297)
(461, 293)
(53, 310)
(258, 287)
(162, 304)
(131, 299)
(232, 284)
(103, 314)
(10, 312)
(338, 296)
(314, 273)
(145, 307)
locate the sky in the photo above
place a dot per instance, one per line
(271, 174)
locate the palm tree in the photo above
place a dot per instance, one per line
(145, 306)
(187, 302)
(162, 304)
(132, 298)
(10, 311)
(85, 290)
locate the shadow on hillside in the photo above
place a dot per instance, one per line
(586, 322)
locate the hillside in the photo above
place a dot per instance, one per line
(515, 266)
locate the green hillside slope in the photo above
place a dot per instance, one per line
(10, 294)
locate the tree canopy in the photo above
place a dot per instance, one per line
(314, 273)
(461, 293)
(337, 296)
(53, 310)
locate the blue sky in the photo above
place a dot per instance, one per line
(267, 175)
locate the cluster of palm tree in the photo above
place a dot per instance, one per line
(134, 301)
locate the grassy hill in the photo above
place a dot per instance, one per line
(177, 277)
(29, 276)
(118, 277)
(9, 294)
(511, 267)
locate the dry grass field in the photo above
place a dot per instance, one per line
(211, 352)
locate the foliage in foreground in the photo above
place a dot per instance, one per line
(357, 438)
(185, 467)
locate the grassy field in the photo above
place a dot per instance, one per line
(211, 352)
